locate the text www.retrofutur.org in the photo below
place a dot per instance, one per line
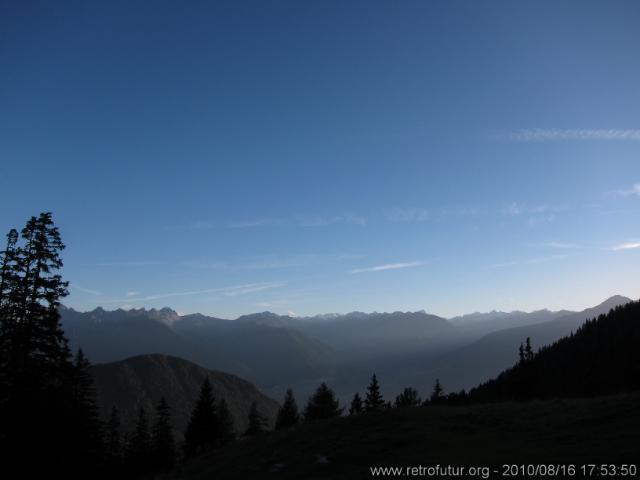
(430, 471)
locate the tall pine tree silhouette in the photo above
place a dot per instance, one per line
(113, 441)
(437, 396)
(288, 415)
(322, 405)
(45, 400)
(87, 440)
(257, 422)
(408, 398)
(356, 407)
(139, 455)
(374, 401)
(226, 429)
(163, 444)
(202, 428)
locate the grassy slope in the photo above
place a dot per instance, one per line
(557, 431)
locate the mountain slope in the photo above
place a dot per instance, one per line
(601, 358)
(140, 382)
(488, 356)
(484, 323)
(603, 430)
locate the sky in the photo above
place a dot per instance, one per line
(327, 156)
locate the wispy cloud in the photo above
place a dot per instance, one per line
(559, 245)
(407, 215)
(388, 266)
(625, 246)
(629, 192)
(553, 134)
(132, 294)
(529, 262)
(126, 264)
(514, 209)
(259, 222)
(435, 213)
(85, 290)
(303, 220)
(251, 288)
(227, 291)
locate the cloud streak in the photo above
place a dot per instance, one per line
(553, 134)
(634, 191)
(625, 246)
(388, 266)
(560, 245)
(530, 261)
(304, 220)
(86, 290)
(226, 291)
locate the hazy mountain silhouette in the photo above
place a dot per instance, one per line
(108, 336)
(488, 356)
(600, 358)
(142, 380)
(277, 352)
(260, 353)
(483, 323)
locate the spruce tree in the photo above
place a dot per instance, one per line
(8, 289)
(374, 401)
(356, 407)
(37, 423)
(438, 393)
(88, 438)
(41, 348)
(408, 398)
(226, 429)
(113, 441)
(528, 351)
(322, 405)
(288, 415)
(139, 455)
(163, 444)
(257, 422)
(201, 430)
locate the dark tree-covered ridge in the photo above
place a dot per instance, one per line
(600, 358)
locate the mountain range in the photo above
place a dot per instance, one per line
(277, 352)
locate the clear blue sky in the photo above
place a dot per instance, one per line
(310, 157)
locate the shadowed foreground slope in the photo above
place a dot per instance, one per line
(555, 431)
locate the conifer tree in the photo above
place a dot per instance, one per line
(288, 415)
(37, 422)
(113, 442)
(408, 398)
(163, 444)
(322, 405)
(356, 407)
(374, 401)
(201, 430)
(438, 393)
(226, 429)
(88, 438)
(257, 422)
(8, 289)
(528, 351)
(40, 346)
(521, 353)
(139, 454)
(8, 258)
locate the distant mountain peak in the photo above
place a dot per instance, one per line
(614, 301)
